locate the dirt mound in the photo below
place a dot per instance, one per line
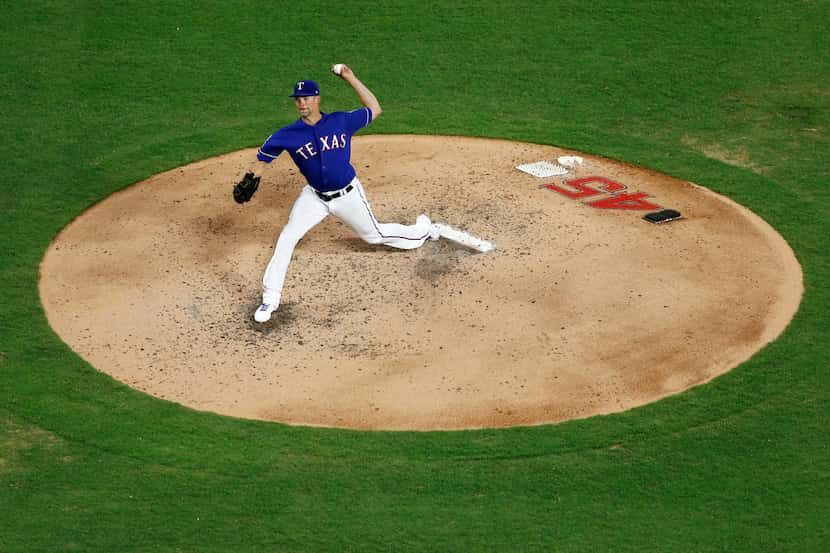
(583, 308)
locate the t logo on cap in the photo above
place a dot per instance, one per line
(306, 88)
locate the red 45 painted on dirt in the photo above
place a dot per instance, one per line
(578, 188)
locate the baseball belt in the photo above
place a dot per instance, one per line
(334, 195)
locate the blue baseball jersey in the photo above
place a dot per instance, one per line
(323, 151)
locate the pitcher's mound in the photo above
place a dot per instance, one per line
(582, 308)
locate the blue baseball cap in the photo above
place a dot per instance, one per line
(306, 88)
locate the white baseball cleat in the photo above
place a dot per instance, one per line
(426, 222)
(485, 246)
(263, 314)
(463, 238)
(434, 232)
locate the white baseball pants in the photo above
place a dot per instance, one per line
(353, 209)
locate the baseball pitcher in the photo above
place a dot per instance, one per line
(320, 145)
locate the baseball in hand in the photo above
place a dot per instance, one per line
(337, 68)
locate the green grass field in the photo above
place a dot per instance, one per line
(732, 95)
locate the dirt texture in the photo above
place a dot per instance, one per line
(580, 310)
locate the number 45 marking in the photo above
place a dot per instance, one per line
(578, 188)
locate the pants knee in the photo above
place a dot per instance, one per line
(373, 239)
(289, 236)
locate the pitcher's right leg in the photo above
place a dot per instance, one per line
(354, 210)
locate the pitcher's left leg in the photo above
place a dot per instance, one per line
(307, 212)
(354, 210)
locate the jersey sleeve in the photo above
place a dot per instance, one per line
(357, 119)
(269, 151)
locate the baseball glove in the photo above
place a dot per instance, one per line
(244, 190)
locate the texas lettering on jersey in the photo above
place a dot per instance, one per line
(327, 143)
(322, 152)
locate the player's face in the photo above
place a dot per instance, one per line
(308, 106)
